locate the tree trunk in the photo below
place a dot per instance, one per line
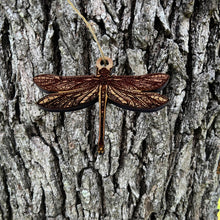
(159, 165)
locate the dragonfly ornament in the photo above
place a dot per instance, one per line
(70, 93)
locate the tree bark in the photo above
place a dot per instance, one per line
(159, 165)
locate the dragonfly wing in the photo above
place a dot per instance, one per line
(149, 82)
(136, 100)
(53, 83)
(69, 100)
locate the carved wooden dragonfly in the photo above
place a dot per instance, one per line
(70, 93)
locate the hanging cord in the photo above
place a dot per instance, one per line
(90, 29)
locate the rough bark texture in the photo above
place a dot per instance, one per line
(159, 165)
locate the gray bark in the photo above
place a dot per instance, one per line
(159, 165)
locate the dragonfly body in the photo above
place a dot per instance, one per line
(69, 93)
(102, 110)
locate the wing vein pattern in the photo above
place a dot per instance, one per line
(136, 100)
(71, 100)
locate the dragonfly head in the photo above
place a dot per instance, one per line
(104, 67)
